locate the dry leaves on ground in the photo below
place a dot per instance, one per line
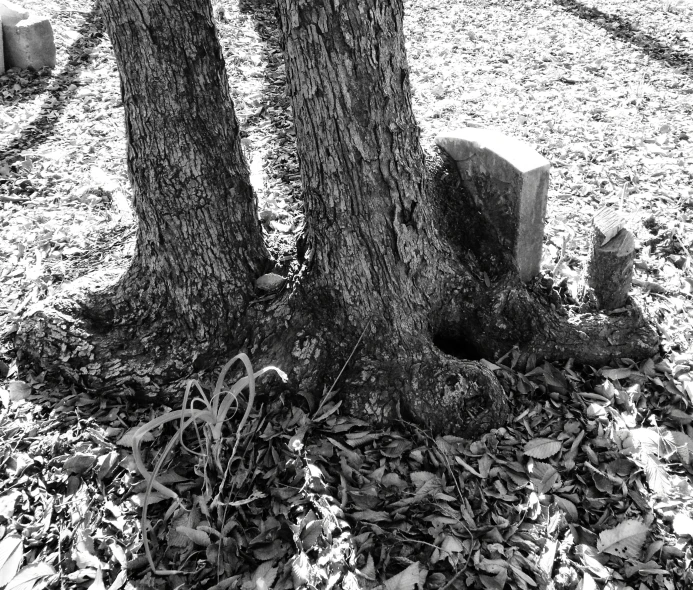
(589, 486)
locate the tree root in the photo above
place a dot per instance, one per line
(396, 371)
(597, 339)
(120, 361)
(392, 377)
(82, 336)
(454, 396)
(495, 319)
(428, 387)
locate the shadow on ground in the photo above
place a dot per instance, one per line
(622, 29)
(269, 129)
(60, 86)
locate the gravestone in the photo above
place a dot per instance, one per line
(27, 38)
(509, 183)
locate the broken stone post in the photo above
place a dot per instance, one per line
(509, 182)
(27, 38)
(612, 252)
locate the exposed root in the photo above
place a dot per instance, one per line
(393, 373)
(493, 320)
(81, 336)
(454, 396)
(596, 339)
(491, 310)
(420, 383)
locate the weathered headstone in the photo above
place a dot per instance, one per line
(509, 181)
(27, 38)
(612, 252)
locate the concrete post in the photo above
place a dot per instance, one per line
(28, 38)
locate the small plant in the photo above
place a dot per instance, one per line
(212, 412)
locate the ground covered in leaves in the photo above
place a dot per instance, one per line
(590, 485)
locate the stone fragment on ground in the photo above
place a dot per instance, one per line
(270, 282)
(509, 182)
(27, 38)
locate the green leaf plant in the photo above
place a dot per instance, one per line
(210, 412)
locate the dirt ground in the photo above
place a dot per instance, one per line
(591, 483)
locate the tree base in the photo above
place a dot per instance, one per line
(381, 375)
(93, 336)
(390, 375)
(90, 336)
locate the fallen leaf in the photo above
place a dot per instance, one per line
(451, 544)
(11, 554)
(7, 504)
(84, 553)
(616, 373)
(97, 584)
(542, 448)
(153, 498)
(19, 390)
(127, 438)
(405, 580)
(300, 569)
(196, 536)
(625, 540)
(655, 472)
(30, 575)
(370, 515)
(588, 582)
(264, 576)
(79, 463)
(683, 525)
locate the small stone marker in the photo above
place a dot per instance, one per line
(612, 252)
(27, 38)
(509, 182)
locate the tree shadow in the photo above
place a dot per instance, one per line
(268, 124)
(91, 33)
(622, 29)
(263, 14)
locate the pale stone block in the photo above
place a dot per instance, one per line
(509, 182)
(28, 38)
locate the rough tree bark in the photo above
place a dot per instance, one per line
(199, 244)
(392, 250)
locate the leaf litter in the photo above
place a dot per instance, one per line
(589, 485)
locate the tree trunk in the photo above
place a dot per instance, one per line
(199, 243)
(381, 247)
(394, 256)
(375, 257)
